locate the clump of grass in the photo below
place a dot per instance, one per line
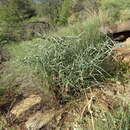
(119, 119)
(72, 63)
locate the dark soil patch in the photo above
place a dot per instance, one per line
(121, 36)
(4, 56)
(8, 100)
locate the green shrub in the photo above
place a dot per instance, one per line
(52, 10)
(65, 12)
(71, 63)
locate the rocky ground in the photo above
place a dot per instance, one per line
(33, 113)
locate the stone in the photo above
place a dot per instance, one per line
(126, 44)
(122, 51)
(25, 105)
(122, 54)
(118, 32)
(39, 120)
(116, 28)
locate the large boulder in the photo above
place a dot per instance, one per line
(122, 54)
(118, 32)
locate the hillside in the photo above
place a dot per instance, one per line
(64, 64)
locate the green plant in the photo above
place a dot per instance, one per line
(72, 63)
(65, 12)
(119, 119)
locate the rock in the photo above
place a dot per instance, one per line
(118, 32)
(122, 54)
(39, 120)
(25, 105)
(116, 28)
(119, 38)
(122, 51)
(126, 44)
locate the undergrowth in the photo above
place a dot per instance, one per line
(117, 119)
(118, 10)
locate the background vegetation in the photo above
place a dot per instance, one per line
(67, 61)
(117, 10)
